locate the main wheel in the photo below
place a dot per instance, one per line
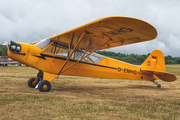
(32, 82)
(44, 86)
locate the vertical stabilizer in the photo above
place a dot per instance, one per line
(155, 62)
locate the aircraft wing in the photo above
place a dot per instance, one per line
(119, 30)
(168, 77)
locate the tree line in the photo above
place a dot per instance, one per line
(135, 58)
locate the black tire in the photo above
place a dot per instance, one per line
(44, 86)
(32, 83)
(159, 86)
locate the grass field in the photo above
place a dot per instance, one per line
(87, 98)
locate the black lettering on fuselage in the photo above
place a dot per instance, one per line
(129, 71)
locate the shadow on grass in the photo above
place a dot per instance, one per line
(104, 88)
(118, 93)
(146, 87)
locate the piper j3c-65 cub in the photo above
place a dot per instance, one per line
(72, 53)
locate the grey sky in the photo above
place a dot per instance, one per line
(32, 20)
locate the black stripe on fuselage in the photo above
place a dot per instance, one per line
(62, 58)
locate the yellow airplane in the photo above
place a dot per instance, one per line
(72, 53)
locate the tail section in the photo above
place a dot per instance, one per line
(155, 64)
(155, 61)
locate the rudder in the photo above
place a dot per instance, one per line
(155, 61)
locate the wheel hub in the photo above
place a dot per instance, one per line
(44, 86)
(34, 83)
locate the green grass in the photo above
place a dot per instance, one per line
(87, 98)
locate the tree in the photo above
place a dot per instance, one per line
(3, 50)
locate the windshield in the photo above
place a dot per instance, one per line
(43, 43)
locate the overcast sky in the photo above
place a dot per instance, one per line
(32, 20)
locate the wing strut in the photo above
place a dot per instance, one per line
(72, 52)
(70, 42)
(86, 55)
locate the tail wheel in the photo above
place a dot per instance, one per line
(32, 82)
(44, 86)
(159, 86)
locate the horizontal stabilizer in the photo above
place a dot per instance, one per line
(168, 77)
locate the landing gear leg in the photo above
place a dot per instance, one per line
(39, 78)
(158, 85)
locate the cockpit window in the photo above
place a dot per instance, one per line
(43, 43)
(63, 50)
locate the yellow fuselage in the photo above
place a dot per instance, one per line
(33, 56)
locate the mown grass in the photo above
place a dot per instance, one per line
(87, 98)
